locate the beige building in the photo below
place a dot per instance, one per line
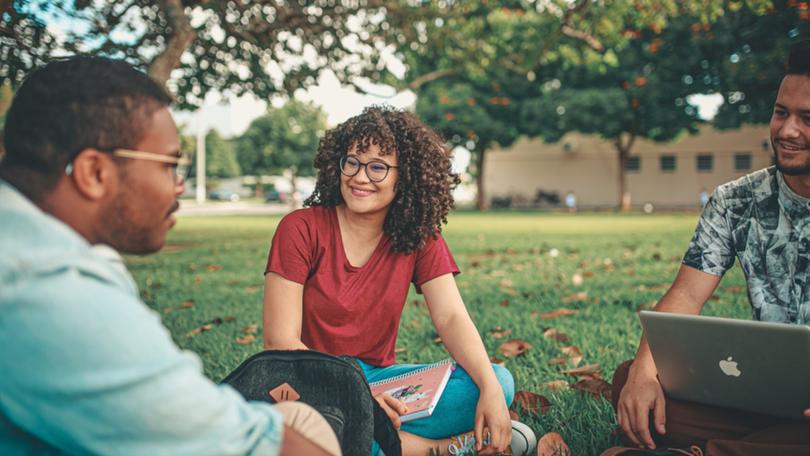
(666, 175)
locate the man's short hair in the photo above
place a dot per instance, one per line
(69, 105)
(799, 59)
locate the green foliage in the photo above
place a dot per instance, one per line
(510, 274)
(235, 47)
(220, 155)
(284, 138)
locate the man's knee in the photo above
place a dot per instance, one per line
(310, 424)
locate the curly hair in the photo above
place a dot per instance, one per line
(424, 191)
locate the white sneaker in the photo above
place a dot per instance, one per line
(524, 442)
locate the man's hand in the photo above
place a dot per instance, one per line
(640, 394)
(392, 407)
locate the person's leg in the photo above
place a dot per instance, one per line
(454, 413)
(690, 423)
(783, 437)
(307, 422)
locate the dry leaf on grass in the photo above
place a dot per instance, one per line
(499, 332)
(595, 386)
(187, 304)
(556, 385)
(514, 347)
(532, 402)
(213, 267)
(229, 318)
(496, 360)
(513, 415)
(558, 361)
(552, 333)
(400, 350)
(504, 303)
(577, 280)
(557, 313)
(506, 283)
(244, 340)
(251, 328)
(199, 329)
(552, 444)
(437, 340)
(251, 290)
(591, 370)
(734, 289)
(574, 354)
(581, 296)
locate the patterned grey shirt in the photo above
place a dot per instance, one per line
(766, 225)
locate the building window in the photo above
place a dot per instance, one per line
(633, 163)
(742, 162)
(668, 163)
(704, 162)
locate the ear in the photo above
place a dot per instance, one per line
(94, 174)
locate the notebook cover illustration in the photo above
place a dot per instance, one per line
(420, 389)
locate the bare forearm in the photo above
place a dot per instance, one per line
(465, 346)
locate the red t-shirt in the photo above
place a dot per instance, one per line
(349, 310)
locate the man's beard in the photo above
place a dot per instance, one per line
(794, 170)
(123, 231)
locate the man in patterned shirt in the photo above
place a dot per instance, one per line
(763, 219)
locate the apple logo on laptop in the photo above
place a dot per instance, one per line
(729, 367)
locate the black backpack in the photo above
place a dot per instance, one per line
(334, 386)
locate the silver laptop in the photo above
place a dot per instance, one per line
(742, 364)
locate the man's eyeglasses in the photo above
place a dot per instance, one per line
(376, 171)
(180, 164)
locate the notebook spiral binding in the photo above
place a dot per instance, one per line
(416, 371)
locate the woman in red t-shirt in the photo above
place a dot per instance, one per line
(339, 271)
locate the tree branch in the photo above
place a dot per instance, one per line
(180, 36)
(429, 77)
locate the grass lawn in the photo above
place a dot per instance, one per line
(515, 267)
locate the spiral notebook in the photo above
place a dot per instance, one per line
(420, 389)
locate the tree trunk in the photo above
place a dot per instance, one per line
(295, 197)
(180, 38)
(623, 148)
(480, 199)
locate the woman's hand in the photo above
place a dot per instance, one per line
(492, 413)
(394, 408)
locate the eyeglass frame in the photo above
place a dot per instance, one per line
(175, 160)
(388, 167)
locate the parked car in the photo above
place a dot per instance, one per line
(275, 196)
(224, 194)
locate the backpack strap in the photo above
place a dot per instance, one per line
(384, 432)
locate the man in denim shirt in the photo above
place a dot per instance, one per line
(91, 165)
(763, 219)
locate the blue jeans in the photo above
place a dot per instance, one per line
(455, 412)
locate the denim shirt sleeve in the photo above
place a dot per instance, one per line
(88, 368)
(712, 249)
